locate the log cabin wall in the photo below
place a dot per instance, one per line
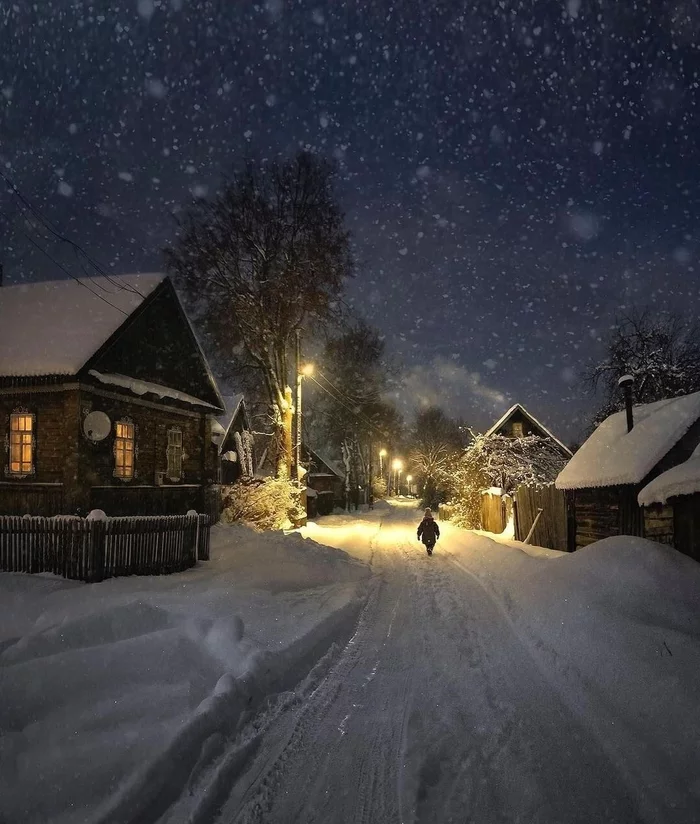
(47, 489)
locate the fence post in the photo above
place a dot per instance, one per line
(98, 534)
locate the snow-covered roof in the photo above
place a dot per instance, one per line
(330, 464)
(683, 479)
(54, 327)
(232, 403)
(139, 387)
(517, 407)
(612, 455)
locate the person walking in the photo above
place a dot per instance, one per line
(428, 531)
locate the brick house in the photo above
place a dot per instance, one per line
(106, 399)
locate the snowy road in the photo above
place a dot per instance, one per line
(434, 711)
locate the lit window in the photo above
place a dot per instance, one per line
(517, 430)
(174, 455)
(21, 443)
(124, 450)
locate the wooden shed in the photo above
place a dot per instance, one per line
(604, 478)
(234, 442)
(671, 504)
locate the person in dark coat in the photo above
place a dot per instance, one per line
(428, 531)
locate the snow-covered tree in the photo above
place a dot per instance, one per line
(265, 256)
(506, 463)
(660, 351)
(437, 444)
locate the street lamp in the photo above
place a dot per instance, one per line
(397, 466)
(382, 455)
(305, 371)
(409, 478)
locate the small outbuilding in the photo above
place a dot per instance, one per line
(325, 479)
(234, 442)
(671, 504)
(626, 454)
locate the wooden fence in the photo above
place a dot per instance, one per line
(552, 530)
(92, 550)
(493, 512)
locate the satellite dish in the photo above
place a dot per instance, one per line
(97, 426)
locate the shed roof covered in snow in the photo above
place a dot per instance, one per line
(683, 479)
(54, 327)
(234, 404)
(613, 456)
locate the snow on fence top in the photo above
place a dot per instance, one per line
(612, 455)
(52, 328)
(139, 387)
(683, 479)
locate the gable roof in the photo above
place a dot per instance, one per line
(54, 327)
(233, 404)
(613, 456)
(517, 407)
(327, 463)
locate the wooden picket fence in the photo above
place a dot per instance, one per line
(92, 550)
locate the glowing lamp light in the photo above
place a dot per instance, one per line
(397, 465)
(307, 369)
(382, 453)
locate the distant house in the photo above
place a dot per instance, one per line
(517, 422)
(106, 399)
(615, 470)
(233, 441)
(325, 479)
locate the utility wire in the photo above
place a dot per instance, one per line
(70, 274)
(360, 415)
(78, 250)
(353, 412)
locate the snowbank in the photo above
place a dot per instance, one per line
(110, 692)
(615, 627)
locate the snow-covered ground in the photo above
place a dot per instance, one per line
(286, 681)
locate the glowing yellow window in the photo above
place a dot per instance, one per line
(124, 450)
(21, 443)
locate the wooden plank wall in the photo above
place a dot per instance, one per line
(551, 529)
(492, 516)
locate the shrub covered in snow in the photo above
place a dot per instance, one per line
(272, 503)
(379, 487)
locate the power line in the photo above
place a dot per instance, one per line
(70, 274)
(77, 249)
(360, 415)
(353, 412)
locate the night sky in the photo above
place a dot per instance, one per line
(513, 173)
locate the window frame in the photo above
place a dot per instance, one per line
(26, 468)
(121, 450)
(174, 455)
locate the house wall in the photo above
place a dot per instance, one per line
(150, 487)
(49, 489)
(602, 512)
(686, 524)
(74, 475)
(658, 523)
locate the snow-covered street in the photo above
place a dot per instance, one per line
(288, 681)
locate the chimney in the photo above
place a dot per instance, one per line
(625, 383)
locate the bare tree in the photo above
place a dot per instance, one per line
(437, 443)
(264, 257)
(661, 352)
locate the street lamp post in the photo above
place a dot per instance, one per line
(409, 478)
(382, 455)
(397, 466)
